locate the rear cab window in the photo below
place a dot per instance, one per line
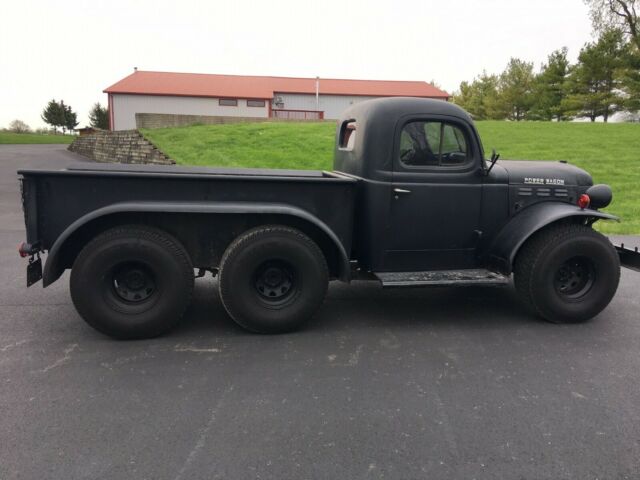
(347, 135)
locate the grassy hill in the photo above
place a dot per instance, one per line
(610, 152)
(29, 138)
(270, 145)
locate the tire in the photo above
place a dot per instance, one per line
(567, 273)
(132, 282)
(273, 279)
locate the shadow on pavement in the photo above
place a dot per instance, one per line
(366, 304)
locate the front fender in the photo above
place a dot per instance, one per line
(506, 244)
(53, 270)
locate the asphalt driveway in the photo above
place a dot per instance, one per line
(437, 384)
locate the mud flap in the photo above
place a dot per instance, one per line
(34, 270)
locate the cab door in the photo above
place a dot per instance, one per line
(436, 196)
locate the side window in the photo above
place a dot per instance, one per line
(347, 135)
(433, 144)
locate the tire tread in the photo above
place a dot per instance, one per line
(153, 234)
(251, 236)
(533, 252)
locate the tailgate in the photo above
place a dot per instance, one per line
(32, 247)
(29, 198)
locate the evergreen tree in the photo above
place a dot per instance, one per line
(480, 97)
(99, 116)
(595, 82)
(631, 79)
(70, 118)
(63, 116)
(515, 89)
(53, 115)
(550, 87)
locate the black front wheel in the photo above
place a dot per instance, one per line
(273, 279)
(567, 273)
(132, 282)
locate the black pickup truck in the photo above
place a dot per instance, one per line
(412, 202)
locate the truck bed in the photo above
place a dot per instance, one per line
(55, 199)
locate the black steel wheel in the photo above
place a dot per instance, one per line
(273, 279)
(275, 282)
(567, 273)
(132, 282)
(574, 278)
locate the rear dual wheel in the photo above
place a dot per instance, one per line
(136, 281)
(273, 279)
(132, 282)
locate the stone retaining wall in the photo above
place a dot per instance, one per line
(166, 120)
(126, 146)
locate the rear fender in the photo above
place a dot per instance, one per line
(53, 268)
(505, 246)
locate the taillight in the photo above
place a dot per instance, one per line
(584, 201)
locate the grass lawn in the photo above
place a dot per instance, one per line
(296, 145)
(610, 152)
(24, 138)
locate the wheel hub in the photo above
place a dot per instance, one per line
(134, 283)
(274, 281)
(575, 277)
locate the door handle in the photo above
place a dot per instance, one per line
(400, 191)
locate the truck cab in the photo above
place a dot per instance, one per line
(421, 164)
(429, 200)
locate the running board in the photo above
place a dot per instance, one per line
(629, 258)
(442, 278)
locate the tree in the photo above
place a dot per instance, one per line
(99, 116)
(18, 126)
(480, 97)
(515, 89)
(595, 82)
(53, 114)
(549, 87)
(63, 116)
(616, 14)
(70, 118)
(631, 80)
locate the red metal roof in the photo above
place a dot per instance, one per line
(238, 86)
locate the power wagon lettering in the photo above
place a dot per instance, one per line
(544, 181)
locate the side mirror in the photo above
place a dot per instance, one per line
(494, 158)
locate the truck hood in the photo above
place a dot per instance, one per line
(526, 172)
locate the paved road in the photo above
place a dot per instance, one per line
(437, 384)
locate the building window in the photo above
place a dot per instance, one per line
(228, 102)
(255, 103)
